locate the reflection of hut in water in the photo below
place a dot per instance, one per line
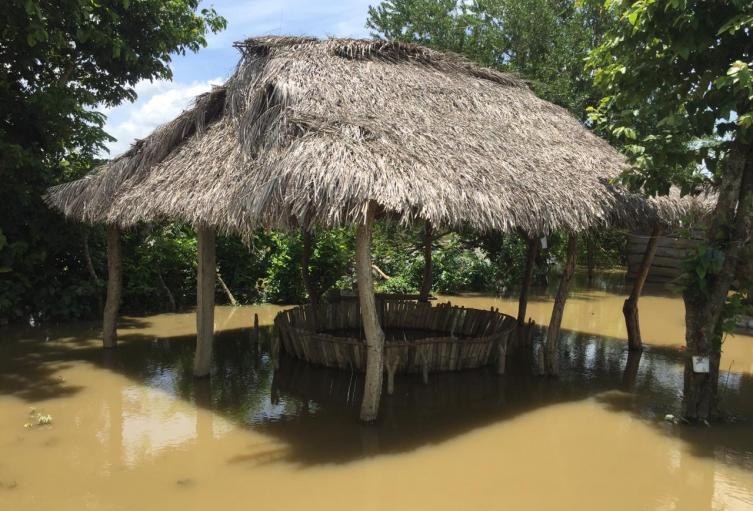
(329, 387)
(311, 134)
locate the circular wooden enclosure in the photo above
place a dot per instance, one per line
(419, 338)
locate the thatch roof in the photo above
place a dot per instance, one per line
(307, 131)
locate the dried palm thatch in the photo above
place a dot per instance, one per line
(307, 131)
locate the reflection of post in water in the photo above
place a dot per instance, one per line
(630, 375)
(114, 406)
(369, 441)
(202, 392)
(274, 392)
(696, 487)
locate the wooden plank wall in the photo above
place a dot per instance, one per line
(671, 250)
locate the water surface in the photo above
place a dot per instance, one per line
(131, 429)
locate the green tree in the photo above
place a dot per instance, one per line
(677, 87)
(545, 41)
(60, 61)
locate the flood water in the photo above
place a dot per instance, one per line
(131, 429)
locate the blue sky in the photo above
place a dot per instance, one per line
(161, 101)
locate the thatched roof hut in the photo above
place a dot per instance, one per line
(332, 132)
(306, 131)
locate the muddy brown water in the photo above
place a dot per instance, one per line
(131, 429)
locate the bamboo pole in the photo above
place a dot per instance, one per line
(630, 307)
(553, 332)
(426, 280)
(114, 288)
(373, 330)
(205, 285)
(533, 250)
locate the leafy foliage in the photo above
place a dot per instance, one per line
(60, 61)
(545, 41)
(677, 87)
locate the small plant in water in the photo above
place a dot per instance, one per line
(38, 419)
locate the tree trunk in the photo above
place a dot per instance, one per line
(426, 280)
(728, 232)
(374, 335)
(553, 332)
(630, 375)
(114, 287)
(533, 249)
(630, 307)
(205, 285)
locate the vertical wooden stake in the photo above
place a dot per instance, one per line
(391, 364)
(553, 332)
(205, 285)
(502, 361)
(274, 351)
(256, 329)
(533, 250)
(114, 287)
(630, 307)
(426, 280)
(590, 257)
(540, 361)
(372, 328)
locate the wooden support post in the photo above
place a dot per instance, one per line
(426, 280)
(590, 257)
(205, 285)
(255, 336)
(114, 287)
(553, 332)
(370, 320)
(630, 307)
(533, 250)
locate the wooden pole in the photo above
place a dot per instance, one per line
(590, 257)
(114, 287)
(553, 332)
(226, 290)
(373, 330)
(533, 250)
(166, 290)
(205, 285)
(630, 307)
(426, 281)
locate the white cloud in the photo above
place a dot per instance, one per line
(158, 102)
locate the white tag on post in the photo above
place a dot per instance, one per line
(700, 364)
(543, 243)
